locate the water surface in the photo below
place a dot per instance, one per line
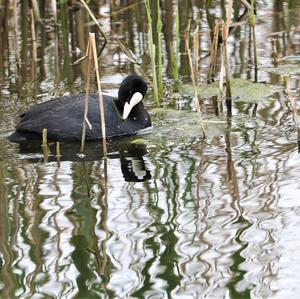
(177, 216)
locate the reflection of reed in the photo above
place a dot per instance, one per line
(6, 275)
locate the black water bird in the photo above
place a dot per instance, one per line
(63, 117)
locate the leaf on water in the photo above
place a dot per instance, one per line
(182, 125)
(242, 90)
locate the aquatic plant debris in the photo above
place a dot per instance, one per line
(242, 90)
(288, 66)
(285, 70)
(166, 120)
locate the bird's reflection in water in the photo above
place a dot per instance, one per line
(130, 153)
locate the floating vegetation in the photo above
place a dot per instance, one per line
(242, 90)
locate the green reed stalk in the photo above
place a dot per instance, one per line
(152, 54)
(159, 53)
(65, 35)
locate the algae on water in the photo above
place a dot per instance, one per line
(242, 90)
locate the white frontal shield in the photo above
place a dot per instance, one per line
(136, 98)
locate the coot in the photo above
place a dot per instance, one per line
(63, 117)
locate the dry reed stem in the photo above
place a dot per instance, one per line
(101, 104)
(54, 9)
(58, 155)
(214, 52)
(94, 19)
(33, 37)
(294, 109)
(196, 42)
(86, 99)
(15, 15)
(36, 10)
(250, 8)
(44, 135)
(222, 71)
(195, 98)
(225, 31)
(292, 100)
(274, 51)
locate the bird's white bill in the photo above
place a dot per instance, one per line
(136, 98)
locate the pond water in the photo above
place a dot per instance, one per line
(171, 214)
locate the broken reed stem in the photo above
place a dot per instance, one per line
(274, 51)
(196, 100)
(86, 98)
(44, 135)
(44, 145)
(58, 155)
(101, 103)
(294, 109)
(33, 37)
(214, 52)
(94, 19)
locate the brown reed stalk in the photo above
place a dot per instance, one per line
(33, 36)
(85, 122)
(294, 109)
(94, 19)
(16, 47)
(91, 53)
(214, 52)
(251, 14)
(45, 145)
(225, 31)
(274, 51)
(196, 47)
(36, 10)
(44, 136)
(195, 98)
(54, 9)
(101, 103)
(58, 155)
